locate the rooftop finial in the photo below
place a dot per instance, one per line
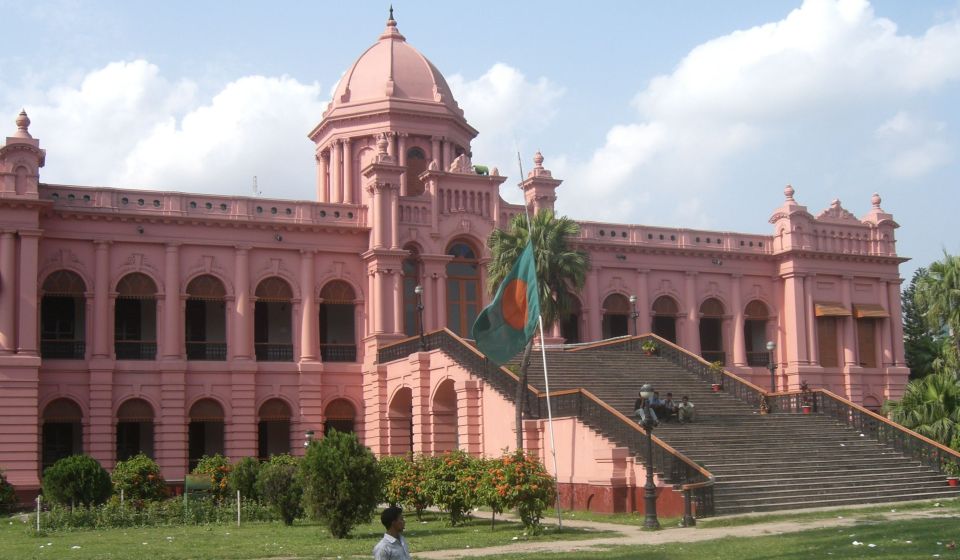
(391, 14)
(23, 124)
(875, 200)
(788, 192)
(391, 31)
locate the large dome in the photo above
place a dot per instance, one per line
(393, 70)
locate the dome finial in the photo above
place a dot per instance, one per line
(391, 32)
(389, 19)
(875, 200)
(788, 192)
(23, 125)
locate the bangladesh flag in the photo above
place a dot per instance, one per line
(503, 328)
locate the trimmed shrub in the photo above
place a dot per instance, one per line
(8, 498)
(173, 512)
(278, 485)
(139, 478)
(451, 483)
(405, 483)
(243, 477)
(218, 469)
(74, 480)
(341, 482)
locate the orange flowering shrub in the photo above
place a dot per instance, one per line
(140, 479)
(451, 483)
(518, 481)
(218, 468)
(405, 482)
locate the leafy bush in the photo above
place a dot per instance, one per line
(218, 468)
(405, 482)
(278, 485)
(78, 479)
(521, 482)
(139, 478)
(8, 499)
(171, 512)
(451, 483)
(341, 482)
(243, 477)
(490, 490)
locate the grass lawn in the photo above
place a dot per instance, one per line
(949, 506)
(256, 540)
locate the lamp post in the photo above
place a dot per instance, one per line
(771, 365)
(423, 341)
(634, 314)
(307, 438)
(649, 489)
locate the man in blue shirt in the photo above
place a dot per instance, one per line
(392, 546)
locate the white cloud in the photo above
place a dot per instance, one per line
(911, 146)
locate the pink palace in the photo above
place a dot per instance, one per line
(184, 324)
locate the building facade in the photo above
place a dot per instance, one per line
(187, 324)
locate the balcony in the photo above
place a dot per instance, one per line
(135, 349)
(758, 359)
(338, 352)
(63, 349)
(714, 356)
(269, 352)
(207, 351)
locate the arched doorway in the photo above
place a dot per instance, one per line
(616, 316)
(755, 319)
(570, 324)
(273, 429)
(411, 279)
(134, 429)
(273, 324)
(711, 331)
(416, 164)
(400, 422)
(135, 318)
(205, 321)
(463, 288)
(340, 416)
(664, 322)
(444, 418)
(205, 433)
(337, 333)
(62, 317)
(62, 432)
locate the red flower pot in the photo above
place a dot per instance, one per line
(953, 482)
(716, 387)
(807, 409)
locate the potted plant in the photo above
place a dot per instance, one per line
(952, 470)
(649, 347)
(764, 408)
(806, 398)
(716, 368)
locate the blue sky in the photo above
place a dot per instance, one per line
(686, 114)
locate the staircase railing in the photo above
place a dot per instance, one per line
(694, 481)
(870, 424)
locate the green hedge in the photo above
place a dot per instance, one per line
(171, 512)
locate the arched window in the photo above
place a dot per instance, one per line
(340, 416)
(205, 322)
(337, 334)
(416, 164)
(134, 429)
(711, 331)
(135, 318)
(755, 318)
(444, 418)
(411, 279)
(463, 288)
(616, 316)
(400, 422)
(205, 431)
(62, 434)
(273, 323)
(62, 317)
(665, 311)
(570, 324)
(273, 429)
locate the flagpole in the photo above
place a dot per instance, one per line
(546, 376)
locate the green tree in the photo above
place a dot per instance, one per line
(244, 478)
(139, 478)
(938, 293)
(341, 482)
(561, 271)
(921, 345)
(76, 480)
(278, 484)
(930, 406)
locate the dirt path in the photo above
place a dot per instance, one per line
(633, 535)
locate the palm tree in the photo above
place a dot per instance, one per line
(930, 406)
(939, 293)
(560, 271)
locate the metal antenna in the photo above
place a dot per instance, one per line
(256, 190)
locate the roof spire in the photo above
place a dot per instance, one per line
(391, 14)
(391, 31)
(23, 125)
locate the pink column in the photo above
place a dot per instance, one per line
(849, 336)
(336, 177)
(323, 163)
(793, 309)
(402, 161)
(447, 154)
(348, 171)
(378, 215)
(27, 327)
(394, 199)
(380, 300)
(736, 301)
(397, 302)
(8, 284)
(100, 421)
(309, 318)
(171, 304)
(692, 330)
(435, 150)
(101, 300)
(643, 302)
(440, 301)
(813, 356)
(593, 303)
(896, 312)
(241, 348)
(170, 432)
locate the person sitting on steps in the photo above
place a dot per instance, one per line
(640, 412)
(668, 408)
(685, 410)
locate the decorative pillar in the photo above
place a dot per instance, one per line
(309, 316)
(895, 322)
(402, 161)
(8, 296)
(794, 306)
(643, 302)
(441, 299)
(435, 150)
(397, 302)
(172, 304)
(323, 164)
(592, 309)
(379, 301)
(241, 347)
(849, 335)
(447, 154)
(27, 266)
(101, 300)
(813, 345)
(392, 145)
(371, 301)
(336, 170)
(736, 301)
(348, 171)
(394, 198)
(692, 332)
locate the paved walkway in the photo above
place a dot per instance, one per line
(633, 535)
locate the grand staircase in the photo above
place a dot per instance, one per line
(761, 462)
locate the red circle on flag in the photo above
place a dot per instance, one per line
(513, 305)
